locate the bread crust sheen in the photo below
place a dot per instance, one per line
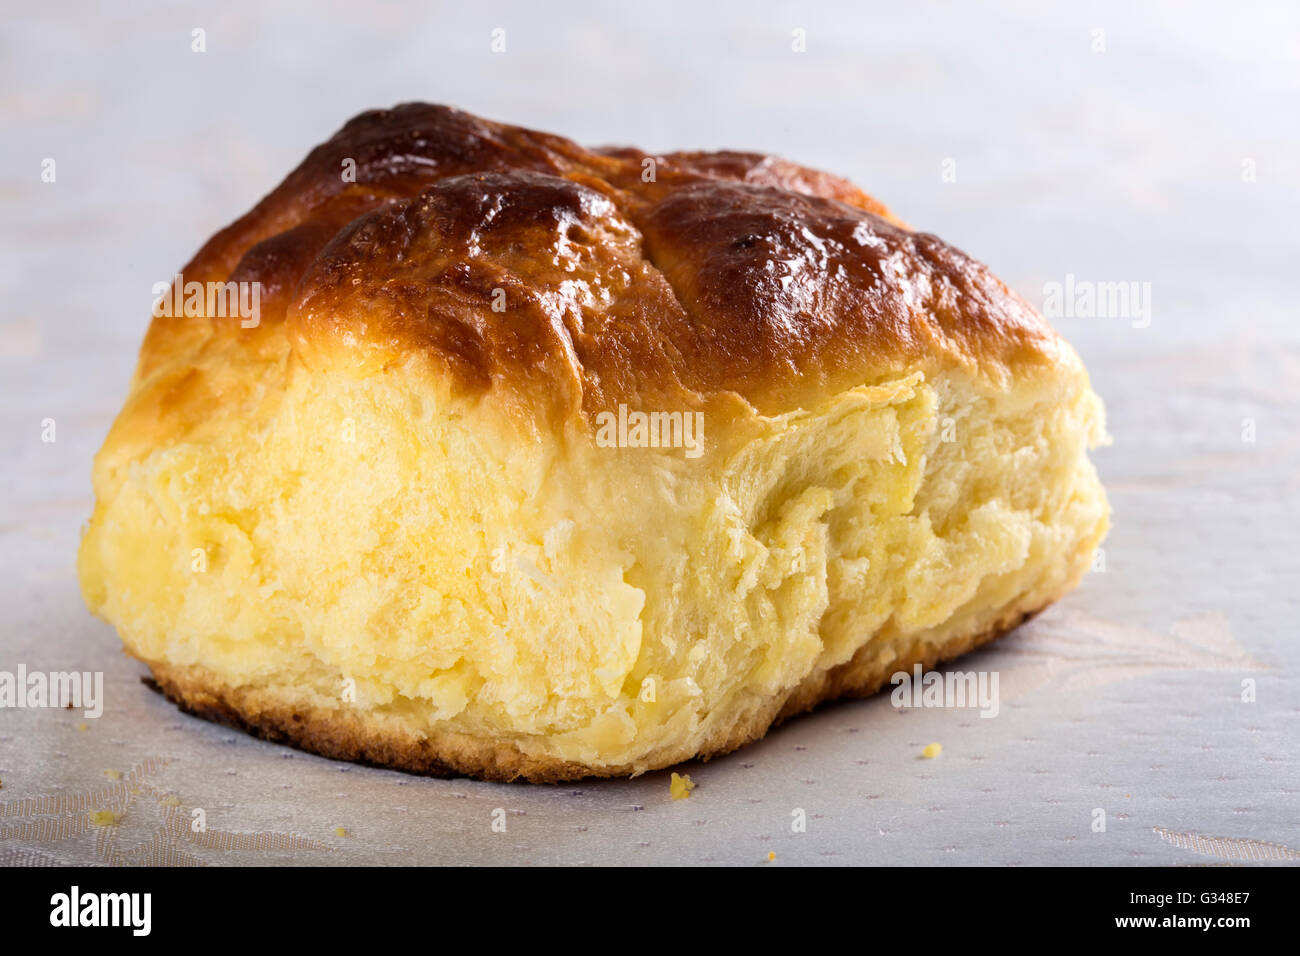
(696, 274)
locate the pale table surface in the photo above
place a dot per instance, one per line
(1127, 163)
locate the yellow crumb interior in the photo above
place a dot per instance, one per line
(348, 541)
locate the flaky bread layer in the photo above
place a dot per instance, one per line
(348, 734)
(372, 570)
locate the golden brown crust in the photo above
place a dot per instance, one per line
(345, 734)
(758, 169)
(721, 273)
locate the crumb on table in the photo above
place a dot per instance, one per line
(680, 786)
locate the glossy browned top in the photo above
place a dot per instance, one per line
(617, 276)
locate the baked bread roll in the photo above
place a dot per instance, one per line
(543, 462)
